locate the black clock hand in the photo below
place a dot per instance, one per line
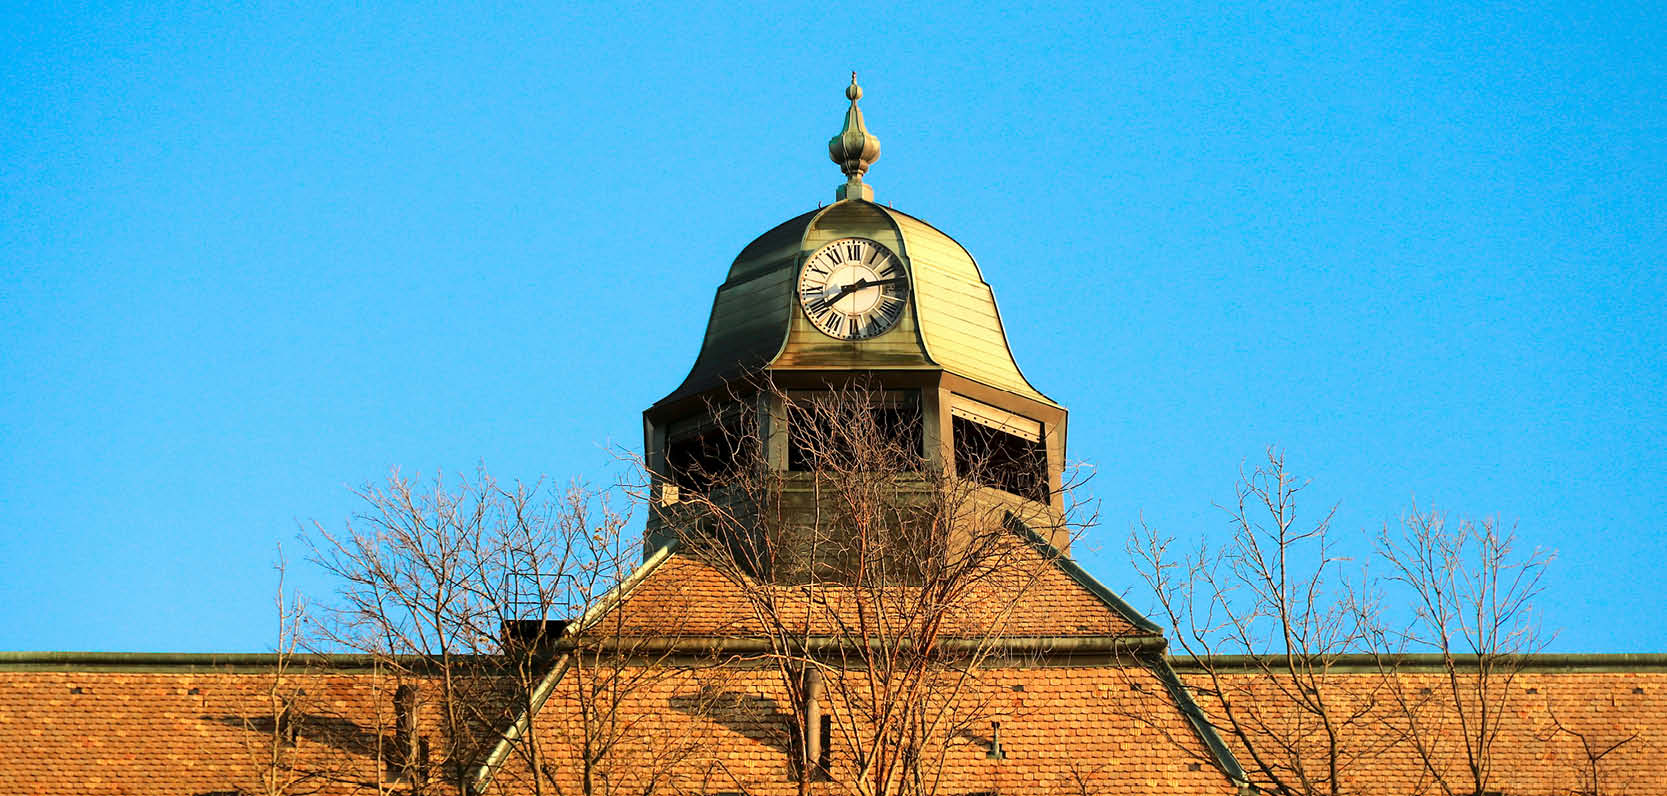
(846, 290)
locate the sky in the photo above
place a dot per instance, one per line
(253, 257)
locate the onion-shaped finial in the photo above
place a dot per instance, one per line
(854, 149)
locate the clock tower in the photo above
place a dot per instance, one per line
(858, 292)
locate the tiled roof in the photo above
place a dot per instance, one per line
(1064, 729)
(687, 596)
(184, 731)
(202, 731)
(1554, 719)
(74, 725)
(71, 726)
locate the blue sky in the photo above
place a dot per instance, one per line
(254, 256)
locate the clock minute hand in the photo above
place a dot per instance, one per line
(846, 290)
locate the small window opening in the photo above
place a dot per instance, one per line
(799, 764)
(996, 752)
(816, 432)
(995, 458)
(700, 460)
(408, 752)
(287, 729)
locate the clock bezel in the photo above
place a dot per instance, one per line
(897, 290)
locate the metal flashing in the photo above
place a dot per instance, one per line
(523, 722)
(1366, 662)
(1225, 761)
(1081, 576)
(1152, 656)
(47, 661)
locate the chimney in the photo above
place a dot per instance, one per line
(535, 634)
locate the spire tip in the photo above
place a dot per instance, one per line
(854, 149)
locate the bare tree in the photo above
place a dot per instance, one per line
(287, 735)
(1597, 741)
(880, 582)
(1472, 598)
(1261, 621)
(272, 735)
(1300, 666)
(478, 601)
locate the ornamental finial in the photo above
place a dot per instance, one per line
(854, 149)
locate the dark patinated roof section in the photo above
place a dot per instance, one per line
(745, 328)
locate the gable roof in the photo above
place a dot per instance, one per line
(1093, 728)
(676, 594)
(688, 601)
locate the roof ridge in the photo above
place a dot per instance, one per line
(1080, 576)
(541, 693)
(1225, 761)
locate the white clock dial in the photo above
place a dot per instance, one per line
(853, 289)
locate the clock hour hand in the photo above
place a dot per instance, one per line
(846, 290)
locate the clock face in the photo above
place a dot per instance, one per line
(853, 289)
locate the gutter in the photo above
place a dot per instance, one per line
(1019, 645)
(1201, 726)
(1367, 663)
(185, 661)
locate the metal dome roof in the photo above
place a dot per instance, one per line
(952, 325)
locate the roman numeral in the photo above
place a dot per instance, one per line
(890, 310)
(853, 251)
